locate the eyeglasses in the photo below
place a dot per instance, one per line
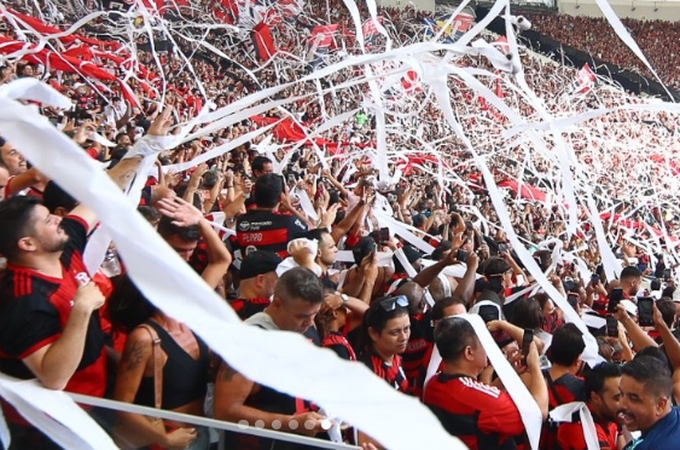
(390, 304)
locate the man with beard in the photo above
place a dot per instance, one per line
(603, 401)
(647, 405)
(631, 278)
(49, 323)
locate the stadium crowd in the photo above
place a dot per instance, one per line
(656, 38)
(264, 224)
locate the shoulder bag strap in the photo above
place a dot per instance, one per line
(157, 366)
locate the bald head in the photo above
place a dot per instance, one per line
(416, 297)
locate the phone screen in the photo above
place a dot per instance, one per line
(615, 297)
(384, 235)
(612, 326)
(462, 255)
(645, 312)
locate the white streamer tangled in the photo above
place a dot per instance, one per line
(564, 144)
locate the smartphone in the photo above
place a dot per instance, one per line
(502, 248)
(667, 274)
(655, 285)
(527, 339)
(572, 299)
(615, 297)
(645, 311)
(462, 256)
(384, 235)
(612, 326)
(594, 279)
(488, 313)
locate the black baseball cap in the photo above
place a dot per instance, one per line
(259, 262)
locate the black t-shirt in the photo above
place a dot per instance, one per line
(268, 230)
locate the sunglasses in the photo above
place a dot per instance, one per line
(390, 304)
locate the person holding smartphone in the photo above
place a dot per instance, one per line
(482, 415)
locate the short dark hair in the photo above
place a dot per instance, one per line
(15, 222)
(629, 272)
(210, 179)
(452, 336)
(316, 233)
(495, 266)
(526, 313)
(598, 375)
(188, 234)
(299, 283)
(567, 345)
(268, 189)
(259, 163)
(652, 373)
(441, 305)
(55, 197)
(667, 310)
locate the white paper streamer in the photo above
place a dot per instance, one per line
(55, 414)
(564, 413)
(522, 398)
(303, 370)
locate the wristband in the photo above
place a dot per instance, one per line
(150, 145)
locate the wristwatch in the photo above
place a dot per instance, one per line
(344, 297)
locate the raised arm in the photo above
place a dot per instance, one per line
(637, 335)
(185, 215)
(125, 171)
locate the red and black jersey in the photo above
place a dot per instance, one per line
(246, 307)
(199, 258)
(565, 389)
(268, 230)
(419, 345)
(338, 343)
(482, 416)
(570, 435)
(34, 309)
(392, 373)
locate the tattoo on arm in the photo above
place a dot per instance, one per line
(134, 355)
(125, 177)
(228, 373)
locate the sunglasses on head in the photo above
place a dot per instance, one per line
(390, 304)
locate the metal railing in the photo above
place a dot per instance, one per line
(219, 425)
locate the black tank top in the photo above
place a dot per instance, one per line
(185, 379)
